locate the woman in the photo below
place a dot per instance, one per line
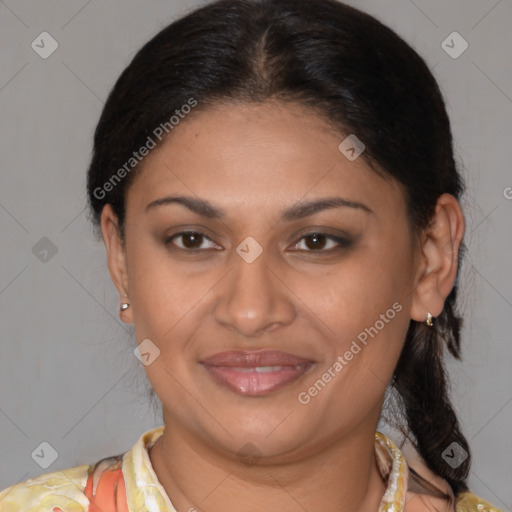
(275, 186)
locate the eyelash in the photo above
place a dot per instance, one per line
(343, 243)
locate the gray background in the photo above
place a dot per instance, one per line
(68, 375)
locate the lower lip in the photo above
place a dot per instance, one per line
(253, 383)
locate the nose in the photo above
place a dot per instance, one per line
(254, 298)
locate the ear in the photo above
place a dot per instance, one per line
(437, 268)
(116, 257)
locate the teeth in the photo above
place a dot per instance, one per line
(265, 369)
(260, 369)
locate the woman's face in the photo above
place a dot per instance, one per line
(324, 316)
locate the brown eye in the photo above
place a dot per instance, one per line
(191, 240)
(317, 242)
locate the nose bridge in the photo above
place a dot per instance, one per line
(252, 298)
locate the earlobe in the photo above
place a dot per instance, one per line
(438, 265)
(116, 258)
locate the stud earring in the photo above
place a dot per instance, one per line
(125, 305)
(430, 320)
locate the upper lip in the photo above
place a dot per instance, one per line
(252, 359)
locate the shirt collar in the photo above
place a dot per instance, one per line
(145, 492)
(393, 469)
(143, 489)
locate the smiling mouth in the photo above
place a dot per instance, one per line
(254, 373)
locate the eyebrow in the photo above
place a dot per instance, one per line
(297, 211)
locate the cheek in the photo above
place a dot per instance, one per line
(354, 294)
(160, 293)
(360, 366)
(364, 305)
(168, 306)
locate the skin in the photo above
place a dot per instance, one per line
(254, 161)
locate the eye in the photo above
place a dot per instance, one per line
(191, 240)
(311, 242)
(317, 242)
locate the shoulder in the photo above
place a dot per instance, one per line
(421, 474)
(68, 490)
(64, 489)
(466, 502)
(469, 502)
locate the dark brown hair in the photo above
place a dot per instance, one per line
(358, 75)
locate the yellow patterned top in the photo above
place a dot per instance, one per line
(128, 483)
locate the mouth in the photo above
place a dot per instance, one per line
(256, 373)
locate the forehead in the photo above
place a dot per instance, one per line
(257, 155)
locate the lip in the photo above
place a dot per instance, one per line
(253, 358)
(237, 371)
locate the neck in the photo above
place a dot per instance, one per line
(344, 476)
